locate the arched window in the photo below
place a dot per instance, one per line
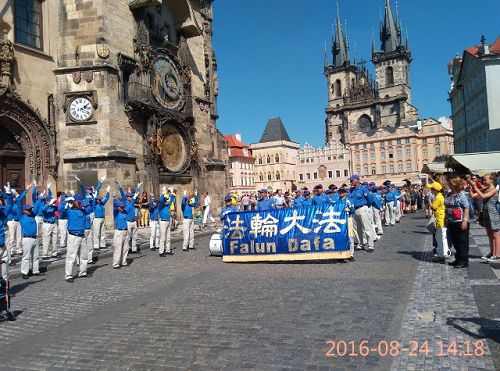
(260, 160)
(269, 176)
(365, 123)
(389, 76)
(276, 158)
(268, 159)
(338, 88)
(261, 177)
(278, 175)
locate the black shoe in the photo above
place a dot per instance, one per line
(25, 276)
(69, 280)
(192, 248)
(38, 274)
(461, 265)
(370, 249)
(351, 258)
(163, 255)
(169, 253)
(456, 262)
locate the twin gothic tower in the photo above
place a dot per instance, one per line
(358, 104)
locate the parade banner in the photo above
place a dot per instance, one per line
(305, 233)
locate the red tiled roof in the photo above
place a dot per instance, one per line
(495, 47)
(236, 146)
(233, 142)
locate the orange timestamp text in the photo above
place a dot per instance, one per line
(393, 348)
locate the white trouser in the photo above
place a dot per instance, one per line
(442, 242)
(132, 235)
(4, 263)
(362, 221)
(88, 242)
(120, 245)
(351, 231)
(49, 238)
(154, 238)
(75, 247)
(15, 236)
(63, 232)
(164, 236)
(39, 230)
(207, 214)
(390, 214)
(377, 220)
(99, 231)
(30, 253)
(398, 210)
(188, 234)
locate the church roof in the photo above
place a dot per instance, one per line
(274, 131)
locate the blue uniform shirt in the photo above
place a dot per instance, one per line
(359, 196)
(335, 198)
(99, 210)
(76, 218)
(153, 212)
(120, 217)
(321, 199)
(187, 207)
(299, 201)
(17, 207)
(4, 213)
(390, 196)
(35, 198)
(226, 210)
(267, 204)
(164, 206)
(28, 223)
(49, 213)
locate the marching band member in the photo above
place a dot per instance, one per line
(120, 237)
(154, 227)
(265, 203)
(164, 213)
(188, 203)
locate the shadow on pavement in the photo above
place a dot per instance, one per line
(20, 287)
(92, 268)
(421, 232)
(418, 255)
(490, 328)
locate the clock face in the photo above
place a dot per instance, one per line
(81, 109)
(173, 149)
(167, 84)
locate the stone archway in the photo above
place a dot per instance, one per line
(35, 136)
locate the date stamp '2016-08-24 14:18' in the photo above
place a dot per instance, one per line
(414, 348)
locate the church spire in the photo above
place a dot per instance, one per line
(388, 31)
(339, 47)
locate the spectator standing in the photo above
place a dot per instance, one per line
(457, 219)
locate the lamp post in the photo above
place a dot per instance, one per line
(462, 89)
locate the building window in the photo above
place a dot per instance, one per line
(425, 152)
(277, 158)
(407, 140)
(356, 146)
(382, 155)
(315, 175)
(400, 153)
(28, 22)
(366, 170)
(308, 176)
(400, 167)
(278, 175)
(391, 154)
(338, 88)
(268, 159)
(269, 176)
(364, 145)
(408, 166)
(384, 169)
(365, 156)
(261, 177)
(389, 76)
(424, 140)
(438, 151)
(356, 156)
(372, 156)
(408, 152)
(329, 158)
(301, 177)
(391, 168)
(337, 174)
(330, 174)
(260, 160)
(436, 140)
(346, 173)
(398, 141)
(382, 143)
(374, 170)
(358, 171)
(372, 145)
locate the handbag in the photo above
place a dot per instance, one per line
(431, 225)
(457, 213)
(481, 219)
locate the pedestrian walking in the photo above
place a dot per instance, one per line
(154, 224)
(457, 221)
(207, 209)
(188, 203)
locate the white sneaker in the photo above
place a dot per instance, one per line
(486, 257)
(493, 259)
(54, 255)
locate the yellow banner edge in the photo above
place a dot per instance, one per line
(286, 257)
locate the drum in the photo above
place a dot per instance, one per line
(216, 245)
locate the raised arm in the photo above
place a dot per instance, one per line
(484, 194)
(99, 184)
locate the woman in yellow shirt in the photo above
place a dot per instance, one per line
(439, 213)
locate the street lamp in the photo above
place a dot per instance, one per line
(462, 89)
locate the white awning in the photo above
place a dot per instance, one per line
(478, 162)
(435, 167)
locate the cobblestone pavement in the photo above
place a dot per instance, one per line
(191, 311)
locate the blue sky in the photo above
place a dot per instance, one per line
(270, 56)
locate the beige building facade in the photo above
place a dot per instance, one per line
(275, 158)
(330, 164)
(241, 165)
(126, 89)
(400, 153)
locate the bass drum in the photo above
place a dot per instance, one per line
(216, 245)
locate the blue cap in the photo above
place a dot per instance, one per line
(365, 183)
(328, 191)
(98, 198)
(332, 186)
(372, 183)
(306, 193)
(27, 207)
(78, 198)
(48, 198)
(319, 186)
(120, 204)
(342, 189)
(354, 177)
(128, 194)
(228, 199)
(263, 190)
